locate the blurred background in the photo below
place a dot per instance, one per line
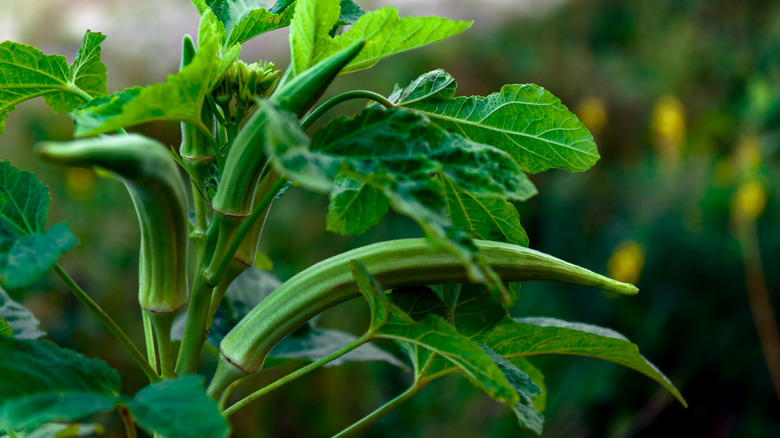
(683, 99)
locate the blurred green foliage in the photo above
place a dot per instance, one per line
(683, 99)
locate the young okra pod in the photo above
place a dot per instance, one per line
(394, 264)
(152, 177)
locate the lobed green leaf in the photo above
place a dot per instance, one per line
(526, 121)
(309, 32)
(386, 34)
(27, 250)
(179, 99)
(26, 73)
(433, 335)
(487, 217)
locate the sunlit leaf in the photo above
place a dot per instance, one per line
(179, 99)
(26, 72)
(526, 121)
(58, 430)
(5, 330)
(309, 31)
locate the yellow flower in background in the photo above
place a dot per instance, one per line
(749, 200)
(79, 183)
(668, 126)
(592, 113)
(626, 262)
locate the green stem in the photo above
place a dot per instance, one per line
(225, 397)
(349, 95)
(151, 350)
(195, 327)
(162, 332)
(109, 323)
(74, 89)
(245, 227)
(127, 419)
(294, 375)
(380, 412)
(11, 433)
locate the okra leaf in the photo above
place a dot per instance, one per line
(178, 408)
(350, 13)
(179, 99)
(313, 343)
(41, 382)
(526, 121)
(26, 249)
(533, 336)
(405, 156)
(355, 206)
(476, 314)
(421, 301)
(309, 31)
(30, 256)
(19, 319)
(433, 335)
(487, 217)
(525, 411)
(387, 34)
(246, 19)
(26, 72)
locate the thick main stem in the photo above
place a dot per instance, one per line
(195, 331)
(109, 323)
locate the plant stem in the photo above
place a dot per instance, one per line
(109, 323)
(151, 350)
(247, 225)
(343, 97)
(760, 302)
(195, 327)
(225, 397)
(380, 412)
(295, 374)
(162, 333)
(127, 419)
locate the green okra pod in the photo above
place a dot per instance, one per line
(395, 263)
(152, 177)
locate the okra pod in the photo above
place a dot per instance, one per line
(152, 177)
(394, 264)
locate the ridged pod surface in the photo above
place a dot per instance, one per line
(152, 177)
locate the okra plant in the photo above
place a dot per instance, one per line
(453, 164)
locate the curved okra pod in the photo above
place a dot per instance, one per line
(152, 177)
(393, 264)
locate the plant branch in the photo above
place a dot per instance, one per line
(295, 374)
(343, 97)
(109, 323)
(151, 350)
(245, 226)
(127, 419)
(380, 412)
